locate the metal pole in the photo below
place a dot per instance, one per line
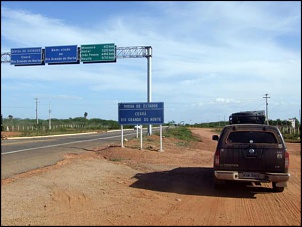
(161, 137)
(141, 138)
(37, 111)
(122, 136)
(49, 117)
(137, 132)
(266, 108)
(149, 49)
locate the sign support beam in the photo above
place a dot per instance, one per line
(149, 49)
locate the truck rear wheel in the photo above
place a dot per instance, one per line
(277, 189)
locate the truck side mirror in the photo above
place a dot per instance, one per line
(215, 137)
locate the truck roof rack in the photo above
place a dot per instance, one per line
(247, 117)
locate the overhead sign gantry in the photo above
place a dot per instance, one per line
(72, 54)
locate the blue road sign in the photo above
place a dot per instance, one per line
(61, 54)
(141, 113)
(26, 56)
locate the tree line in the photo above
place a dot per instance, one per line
(83, 122)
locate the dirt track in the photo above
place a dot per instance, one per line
(128, 186)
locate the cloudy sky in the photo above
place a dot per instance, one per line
(209, 59)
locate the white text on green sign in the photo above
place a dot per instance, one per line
(98, 52)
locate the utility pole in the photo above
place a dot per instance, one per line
(37, 111)
(219, 121)
(299, 122)
(266, 97)
(49, 117)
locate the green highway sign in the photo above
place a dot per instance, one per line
(98, 53)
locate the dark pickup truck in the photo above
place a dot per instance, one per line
(251, 152)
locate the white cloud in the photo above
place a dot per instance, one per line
(205, 54)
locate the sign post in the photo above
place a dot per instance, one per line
(161, 137)
(122, 135)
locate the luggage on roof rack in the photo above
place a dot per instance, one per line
(252, 117)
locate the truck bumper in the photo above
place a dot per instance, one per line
(256, 177)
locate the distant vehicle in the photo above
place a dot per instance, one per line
(137, 127)
(250, 151)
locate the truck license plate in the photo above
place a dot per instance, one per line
(250, 175)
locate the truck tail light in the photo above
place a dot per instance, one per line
(216, 158)
(286, 159)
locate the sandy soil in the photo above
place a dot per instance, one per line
(5, 135)
(129, 186)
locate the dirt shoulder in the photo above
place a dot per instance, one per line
(128, 186)
(6, 135)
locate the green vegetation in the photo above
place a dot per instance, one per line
(290, 134)
(116, 159)
(180, 132)
(29, 127)
(292, 138)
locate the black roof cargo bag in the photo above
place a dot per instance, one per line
(253, 117)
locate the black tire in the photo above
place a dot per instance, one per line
(277, 189)
(255, 117)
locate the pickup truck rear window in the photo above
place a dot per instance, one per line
(251, 137)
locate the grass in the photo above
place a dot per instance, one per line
(116, 159)
(53, 132)
(181, 133)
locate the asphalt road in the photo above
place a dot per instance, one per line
(21, 155)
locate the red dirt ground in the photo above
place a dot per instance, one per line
(129, 186)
